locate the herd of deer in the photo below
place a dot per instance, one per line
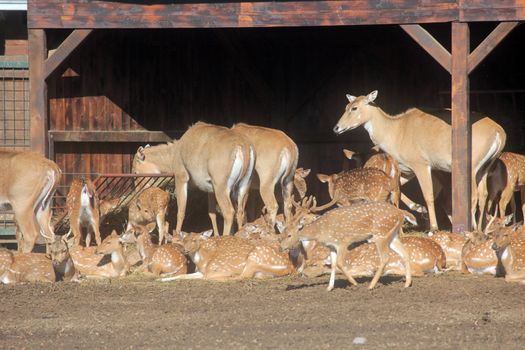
(361, 237)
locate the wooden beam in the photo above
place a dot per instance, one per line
(64, 50)
(461, 130)
(230, 14)
(491, 11)
(429, 44)
(37, 90)
(491, 41)
(109, 136)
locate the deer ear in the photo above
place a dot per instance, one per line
(304, 172)
(508, 219)
(323, 178)
(348, 154)
(114, 233)
(151, 226)
(350, 98)
(376, 148)
(140, 154)
(371, 97)
(207, 234)
(280, 226)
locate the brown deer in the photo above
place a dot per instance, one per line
(452, 244)
(361, 183)
(104, 261)
(506, 176)
(25, 267)
(83, 207)
(150, 206)
(231, 257)
(404, 137)
(426, 256)
(389, 166)
(377, 222)
(28, 182)
(214, 158)
(166, 259)
(276, 157)
(509, 245)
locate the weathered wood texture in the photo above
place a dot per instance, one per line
(461, 130)
(38, 89)
(64, 50)
(429, 44)
(209, 14)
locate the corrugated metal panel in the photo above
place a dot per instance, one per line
(12, 5)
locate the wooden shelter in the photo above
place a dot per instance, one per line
(66, 25)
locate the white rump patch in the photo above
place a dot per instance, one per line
(236, 168)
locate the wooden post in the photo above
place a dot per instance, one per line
(461, 130)
(37, 90)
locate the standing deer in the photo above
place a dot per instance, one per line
(377, 222)
(150, 206)
(83, 206)
(25, 267)
(506, 176)
(231, 257)
(510, 248)
(276, 157)
(214, 158)
(28, 182)
(421, 142)
(166, 259)
(361, 183)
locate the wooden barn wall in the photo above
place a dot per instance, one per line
(294, 79)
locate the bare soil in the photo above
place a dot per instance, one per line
(446, 311)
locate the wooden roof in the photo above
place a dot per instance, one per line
(44, 14)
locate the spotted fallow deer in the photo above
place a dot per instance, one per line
(361, 183)
(452, 244)
(421, 142)
(150, 206)
(166, 259)
(506, 176)
(377, 222)
(426, 256)
(509, 245)
(231, 257)
(83, 207)
(25, 267)
(28, 182)
(276, 157)
(299, 181)
(215, 158)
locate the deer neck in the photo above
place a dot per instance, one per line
(145, 246)
(382, 128)
(119, 261)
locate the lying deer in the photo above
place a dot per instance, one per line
(362, 183)
(426, 256)
(150, 206)
(25, 267)
(28, 182)
(478, 257)
(231, 257)
(377, 222)
(166, 259)
(276, 157)
(407, 139)
(452, 245)
(214, 158)
(83, 207)
(510, 248)
(105, 261)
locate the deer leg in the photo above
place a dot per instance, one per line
(342, 267)
(423, 174)
(267, 190)
(222, 194)
(333, 259)
(287, 190)
(482, 202)
(27, 226)
(189, 276)
(162, 225)
(181, 192)
(212, 213)
(242, 198)
(507, 195)
(400, 249)
(95, 225)
(382, 250)
(88, 237)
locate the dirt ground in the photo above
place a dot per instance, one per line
(446, 311)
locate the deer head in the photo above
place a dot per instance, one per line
(300, 182)
(356, 112)
(305, 213)
(109, 245)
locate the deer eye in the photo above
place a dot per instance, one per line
(354, 108)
